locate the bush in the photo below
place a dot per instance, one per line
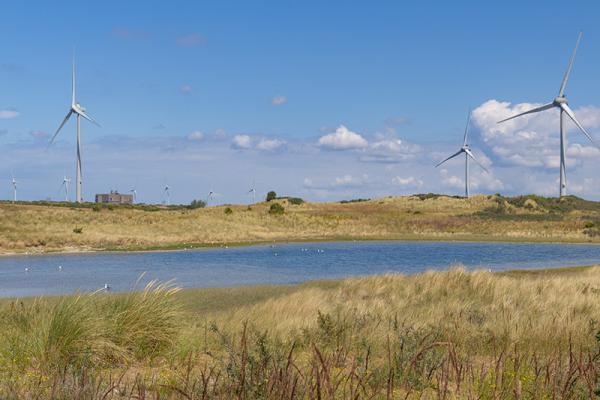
(77, 230)
(197, 204)
(228, 211)
(295, 201)
(271, 195)
(276, 208)
(97, 207)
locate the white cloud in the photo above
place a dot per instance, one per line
(279, 100)
(531, 140)
(270, 144)
(8, 114)
(411, 182)
(241, 142)
(196, 135)
(343, 139)
(186, 89)
(350, 181)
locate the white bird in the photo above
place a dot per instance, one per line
(60, 267)
(562, 104)
(26, 269)
(79, 111)
(468, 153)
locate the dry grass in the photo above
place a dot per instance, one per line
(42, 228)
(436, 335)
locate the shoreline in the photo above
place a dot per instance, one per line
(208, 246)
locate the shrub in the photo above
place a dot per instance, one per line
(353, 201)
(97, 207)
(589, 225)
(271, 195)
(77, 230)
(228, 211)
(197, 204)
(276, 208)
(295, 201)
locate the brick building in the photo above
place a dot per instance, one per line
(114, 197)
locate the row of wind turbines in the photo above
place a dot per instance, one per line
(560, 102)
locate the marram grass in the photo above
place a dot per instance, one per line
(436, 335)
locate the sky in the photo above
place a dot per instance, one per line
(322, 100)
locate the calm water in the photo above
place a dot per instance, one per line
(286, 263)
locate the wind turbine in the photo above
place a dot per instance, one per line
(134, 194)
(79, 111)
(210, 196)
(14, 185)
(66, 182)
(253, 191)
(562, 104)
(468, 154)
(167, 192)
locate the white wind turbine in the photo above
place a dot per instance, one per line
(79, 111)
(561, 103)
(468, 154)
(209, 197)
(167, 193)
(65, 184)
(134, 194)
(253, 191)
(14, 185)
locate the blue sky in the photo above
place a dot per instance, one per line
(212, 96)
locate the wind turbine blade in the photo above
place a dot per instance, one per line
(470, 154)
(60, 127)
(568, 71)
(533, 110)
(73, 81)
(571, 115)
(84, 115)
(467, 128)
(451, 157)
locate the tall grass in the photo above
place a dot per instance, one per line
(437, 335)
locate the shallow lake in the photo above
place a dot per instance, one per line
(278, 264)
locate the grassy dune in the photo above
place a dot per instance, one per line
(43, 228)
(436, 335)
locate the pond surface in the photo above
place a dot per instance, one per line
(279, 264)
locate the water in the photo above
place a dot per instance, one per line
(279, 264)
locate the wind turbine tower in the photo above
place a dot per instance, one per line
(562, 104)
(14, 185)
(466, 149)
(79, 111)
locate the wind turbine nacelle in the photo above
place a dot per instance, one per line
(560, 100)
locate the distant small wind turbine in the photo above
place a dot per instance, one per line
(134, 194)
(468, 153)
(253, 191)
(209, 197)
(79, 111)
(167, 193)
(562, 104)
(14, 185)
(65, 185)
